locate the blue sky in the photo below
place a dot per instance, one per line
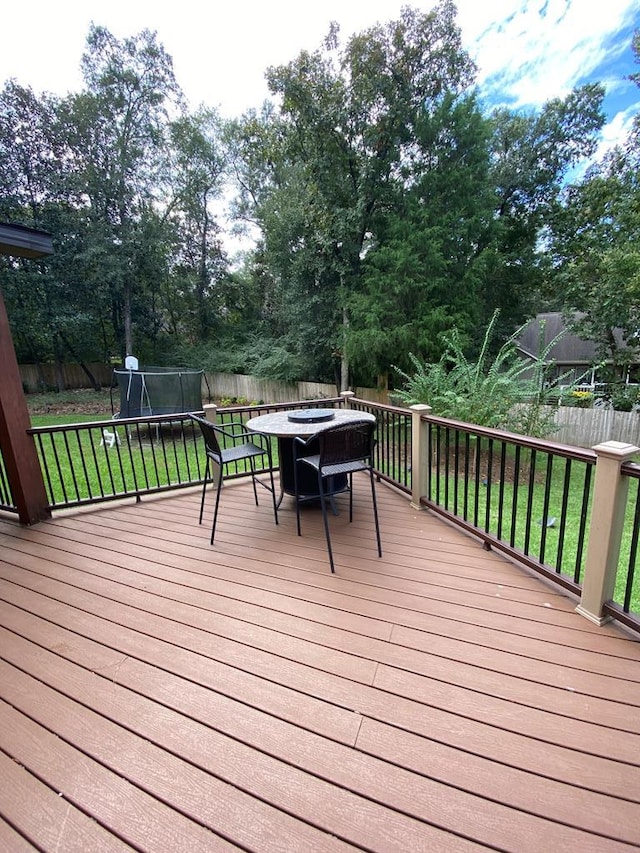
(526, 52)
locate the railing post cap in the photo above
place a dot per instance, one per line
(210, 410)
(616, 449)
(347, 393)
(420, 407)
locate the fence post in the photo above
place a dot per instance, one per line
(211, 412)
(347, 395)
(419, 455)
(605, 531)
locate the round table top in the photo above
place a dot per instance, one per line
(278, 423)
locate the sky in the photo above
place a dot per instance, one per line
(527, 51)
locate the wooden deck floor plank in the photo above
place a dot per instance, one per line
(443, 722)
(213, 576)
(45, 818)
(211, 611)
(226, 633)
(333, 814)
(214, 562)
(226, 808)
(502, 685)
(12, 842)
(381, 652)
(281, 544)
(488, 682)
(266, 693)
(124, 810)
(623, 660)
(318, 587)
(420, 540)
(336, 762)
(613, 817)
(198, 674)
(449, 682)
(272, 607)
(244, 548)
(599, 739)
(450, 808)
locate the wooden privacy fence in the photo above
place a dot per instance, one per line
(51, 377)
(575, 426)
(236, 386)
(588, 427)
(233, 386)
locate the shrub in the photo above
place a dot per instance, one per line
(504, 393)
(580, 399)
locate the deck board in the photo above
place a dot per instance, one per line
(163, 694)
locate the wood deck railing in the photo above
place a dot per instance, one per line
(561, 510)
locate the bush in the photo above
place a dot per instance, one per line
(623, 398)
(505, 393)
(580, 399)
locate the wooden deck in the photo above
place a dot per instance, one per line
(160, 694)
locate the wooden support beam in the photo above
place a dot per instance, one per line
(18, 447)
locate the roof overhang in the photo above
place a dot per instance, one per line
(23, 242)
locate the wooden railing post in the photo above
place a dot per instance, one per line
(18, 447)
(347, 395)
(419, 454)
(211, 412)
(605, 531)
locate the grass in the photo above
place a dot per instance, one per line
(75, 403)
(504, 514)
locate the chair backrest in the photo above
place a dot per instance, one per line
(346, 442)
(209, 435)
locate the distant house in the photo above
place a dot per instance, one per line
(573, 357)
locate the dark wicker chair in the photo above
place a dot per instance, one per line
(341, 450)
(229, 444)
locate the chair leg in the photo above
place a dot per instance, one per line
(297, 496)
(375, 512)
(215, 512)
(273, 491)
(204, 489)
(325, 519)
(253, 479)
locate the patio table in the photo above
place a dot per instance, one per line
(288, 424)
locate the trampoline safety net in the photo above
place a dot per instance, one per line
(158, 391)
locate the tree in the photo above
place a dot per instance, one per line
(531, 155)
(198, 265)
(595, 239)
(116, 132)
(349, 123)
(597, 253)
(49, 313)
(424, 274)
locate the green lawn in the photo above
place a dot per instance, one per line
(543, 537)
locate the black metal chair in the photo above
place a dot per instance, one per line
(341, 450)
(243, 446)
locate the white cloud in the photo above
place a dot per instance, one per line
(528, 52)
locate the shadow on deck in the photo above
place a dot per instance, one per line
(160, 694)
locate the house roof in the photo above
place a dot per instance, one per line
(23, 242)
(570, 349)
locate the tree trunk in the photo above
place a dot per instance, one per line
(94, 382)
(128, 333)
(344, 361)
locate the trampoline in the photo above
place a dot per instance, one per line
(151, 391)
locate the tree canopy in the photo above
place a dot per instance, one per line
(391, 210)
